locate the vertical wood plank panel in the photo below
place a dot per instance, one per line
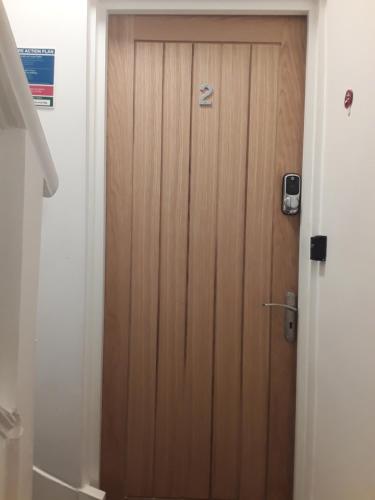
(285, 262)
(172, 346)
(170, 452)
(233, 140)
(118, 254)
(145, 267)
(225, 29)
(200, 319)
(258, 253)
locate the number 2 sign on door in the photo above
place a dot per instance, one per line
(206, 91)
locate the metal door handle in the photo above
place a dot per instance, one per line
(285, 306)
(291, 316)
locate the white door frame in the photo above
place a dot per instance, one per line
(310, 217)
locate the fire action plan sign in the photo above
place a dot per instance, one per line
(39, 65)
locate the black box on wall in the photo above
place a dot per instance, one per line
(318, 248)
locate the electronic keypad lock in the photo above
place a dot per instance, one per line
(291, 194)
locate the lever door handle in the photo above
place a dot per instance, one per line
(291, 316)
(285, 306)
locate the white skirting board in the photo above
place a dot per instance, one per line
(46, 487)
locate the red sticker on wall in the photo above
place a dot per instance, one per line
(348, 101)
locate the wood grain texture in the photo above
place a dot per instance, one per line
(170, 460)
(145, 268)
(241, 29)
(199, 383)
(289, 146)
(258, 269)
(232, 166)
(202, 242)
(118, 254)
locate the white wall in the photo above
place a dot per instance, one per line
(61, 25)
(343, 451)
(345, 446)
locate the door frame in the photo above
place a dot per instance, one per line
(98, 11)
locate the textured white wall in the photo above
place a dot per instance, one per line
(345, 446)
(61, 25)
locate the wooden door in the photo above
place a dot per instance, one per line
(199, 381)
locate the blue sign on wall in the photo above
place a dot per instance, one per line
(39, 65)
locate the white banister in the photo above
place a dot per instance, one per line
(27, 173)
(10, 433)
(19, 110)
(10, 424)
